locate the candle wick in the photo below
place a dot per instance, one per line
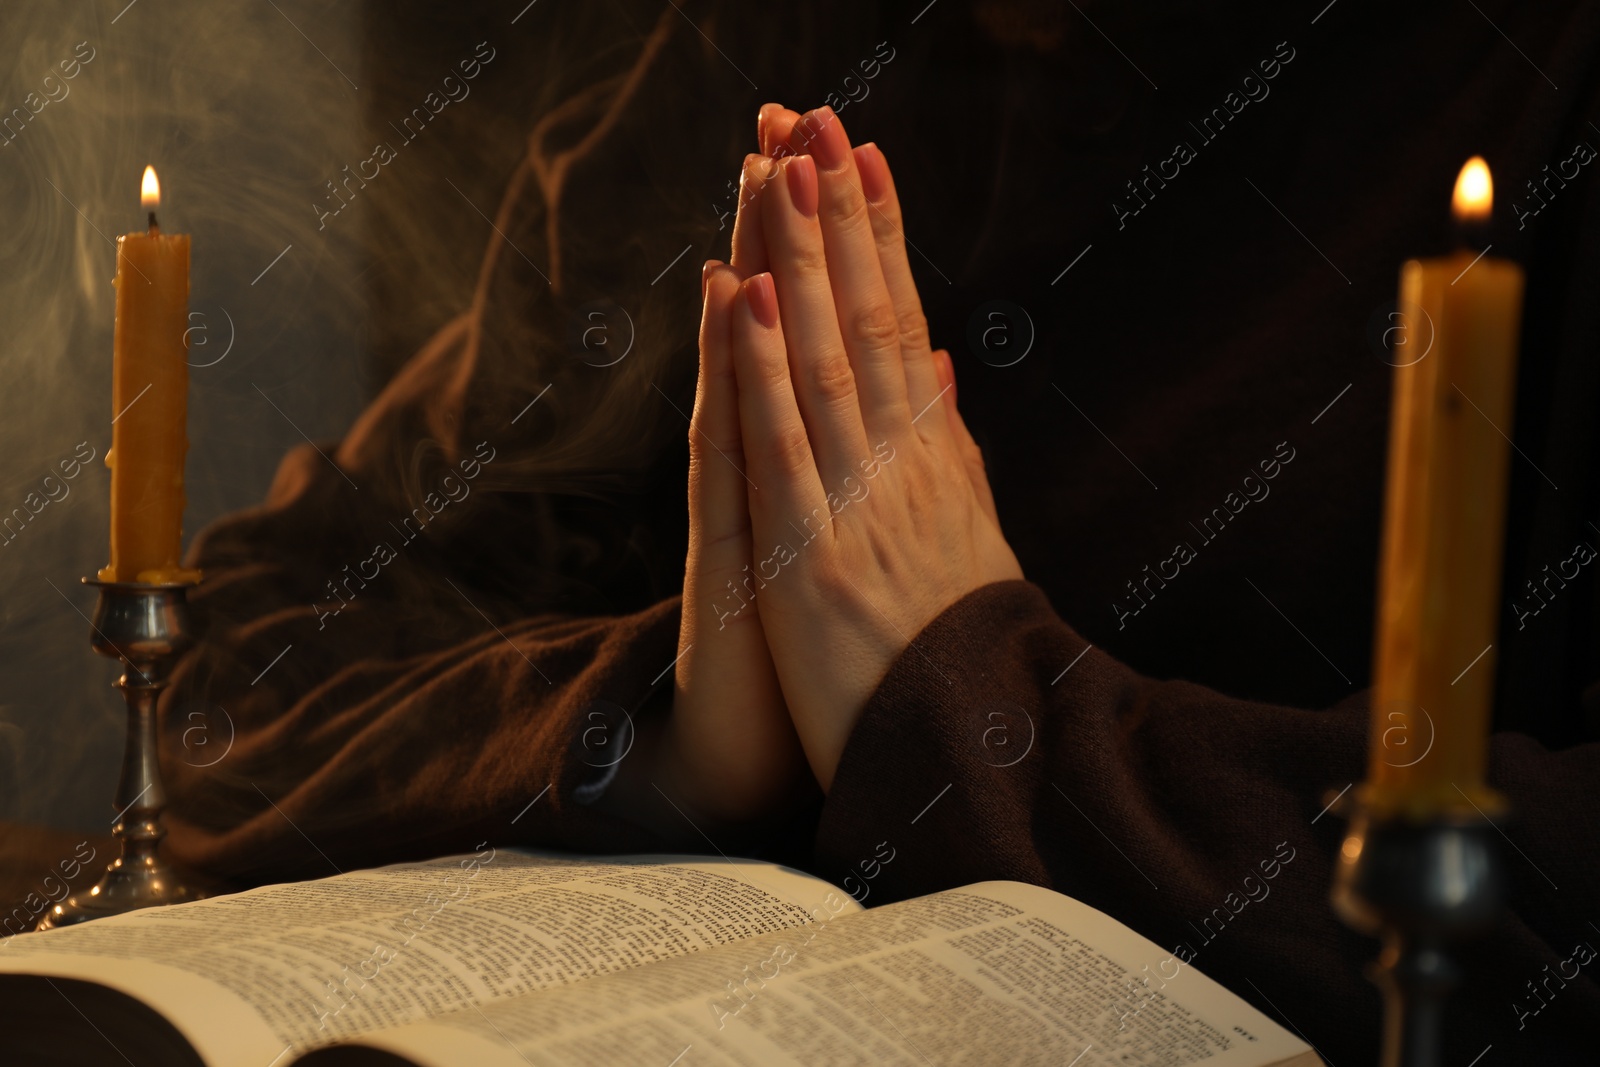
(1472, 235)
(154, 227)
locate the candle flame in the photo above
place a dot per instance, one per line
(1474, 195)
(150, 190)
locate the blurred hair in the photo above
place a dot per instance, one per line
(550, 258)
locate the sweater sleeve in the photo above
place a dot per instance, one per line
(361, 696)
(1001, 746)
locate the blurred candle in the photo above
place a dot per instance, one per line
(1444, 518)
(149, 399)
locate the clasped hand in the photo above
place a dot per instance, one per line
(837, 502)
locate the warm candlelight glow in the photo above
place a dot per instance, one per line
(1474, 196)
(1444, 525)
(150, 190)
(149, 402)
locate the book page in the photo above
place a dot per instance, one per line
(994, 973)
(253, 978)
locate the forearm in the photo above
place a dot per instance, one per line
(1000, 746)
(1148, 788)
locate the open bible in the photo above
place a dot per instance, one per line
(509, 958)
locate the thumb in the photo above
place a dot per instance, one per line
(718, 517)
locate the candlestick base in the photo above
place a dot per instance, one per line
(1425, 887)
(147, 627)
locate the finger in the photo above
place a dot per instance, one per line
(749, 240)
(868, 318)
(824, 382)
(778, 129)
(774, 124)
(971, 455)
(718, 516)
(916, 353)
(763, 116)
(785, 485)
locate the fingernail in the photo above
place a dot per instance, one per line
(705, 275)
(874, 171)
(757, 171)
(802, 184)
(828, 141)
(761, 166)
(761, 127)
(763, 299)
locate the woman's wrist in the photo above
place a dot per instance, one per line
(658, 789)
(662, 789)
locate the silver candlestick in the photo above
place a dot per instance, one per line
(1425, 887)
(147, 627)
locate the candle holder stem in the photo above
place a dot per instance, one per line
(1426, 887)
(141, 797)
(1416, 979)
(146, 626)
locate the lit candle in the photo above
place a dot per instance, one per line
(149, 399)
(1444, 519)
